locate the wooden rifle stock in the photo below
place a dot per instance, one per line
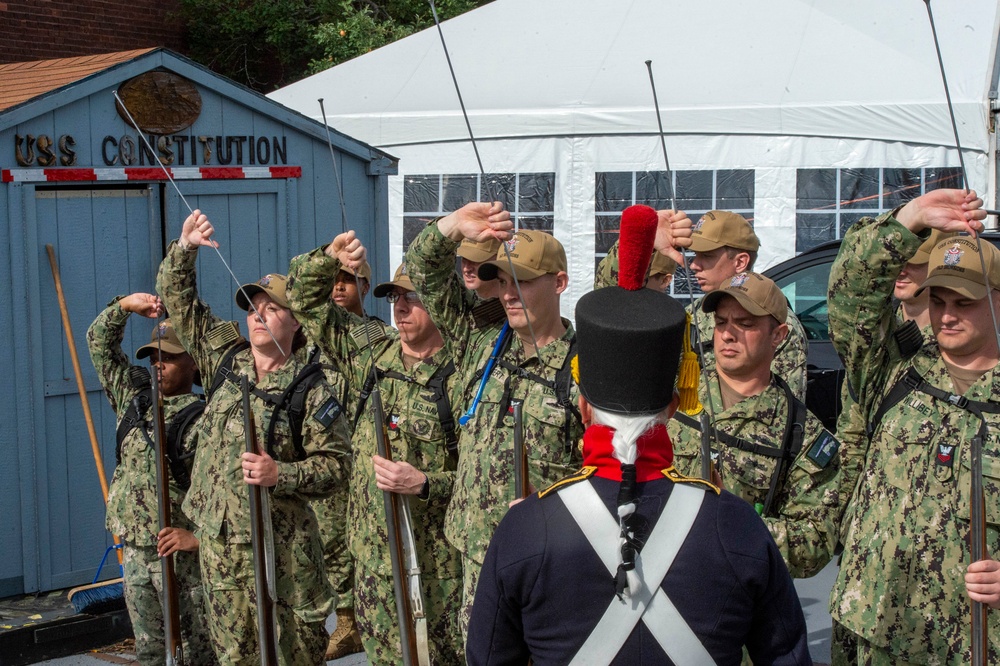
(522, 485)
(977, 546)
(169, 595)
(262, 543)
(397, 555)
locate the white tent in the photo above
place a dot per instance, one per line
(771, 86)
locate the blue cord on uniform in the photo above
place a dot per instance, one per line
(465, 418)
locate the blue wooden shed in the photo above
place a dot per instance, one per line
(77, 175)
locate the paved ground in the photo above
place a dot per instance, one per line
(814, 594)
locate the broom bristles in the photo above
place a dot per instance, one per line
(98, 598)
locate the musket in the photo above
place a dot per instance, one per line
(707, 416)
(406, 586)
(977, 510)
(169, 596)
(405, 583)
(522, 485)
(262, 544)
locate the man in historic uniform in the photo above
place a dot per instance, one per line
(416, 384)
(305, 457)
(905, 575)
(132, 497)
(769, 449)
(629, 561)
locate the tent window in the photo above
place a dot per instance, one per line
(530, 198)
(696, 192)
(829, 201)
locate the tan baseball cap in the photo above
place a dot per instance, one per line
(722, 228)
(532, 253)
(662, 265)
(399, 279)
(759, 295)
(954, 264)
(163, 337)
(364, 271)
(272, 284)
(478, 251)
(923, 254)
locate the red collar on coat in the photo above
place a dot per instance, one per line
(656, 453)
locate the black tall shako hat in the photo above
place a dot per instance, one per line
(629, 338)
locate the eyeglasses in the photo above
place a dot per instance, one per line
(411, 297)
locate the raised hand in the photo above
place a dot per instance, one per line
(146, 305)
(477, 221)
(197, 231)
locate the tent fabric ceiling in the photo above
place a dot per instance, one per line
(853, 69)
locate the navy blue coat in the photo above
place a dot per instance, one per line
(543, 588)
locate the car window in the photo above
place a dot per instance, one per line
(805, 289)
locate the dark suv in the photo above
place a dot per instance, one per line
(803, 279)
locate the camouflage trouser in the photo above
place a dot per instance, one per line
(331, 514)
(375, 608)
(470, 579)
(142, 598)
(304, 601)
(843, 646)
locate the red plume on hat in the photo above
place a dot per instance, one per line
(635, 246)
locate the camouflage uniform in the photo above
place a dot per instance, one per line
(901, 585)
(331, 516)
(851, 431)
(132, 511)
(789, 360)
(804, 522)
(218, 500)
(414, 435)
(484, 480)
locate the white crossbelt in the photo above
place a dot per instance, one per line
(659, 614)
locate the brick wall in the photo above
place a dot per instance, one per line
(44, 29)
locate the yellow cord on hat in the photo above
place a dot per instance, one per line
(688, 375)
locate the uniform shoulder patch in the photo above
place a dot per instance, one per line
(222, 335)
(675, 476)
(374, 330)
(823, 449)
(328, 412)
(488, 312)
(582, 475)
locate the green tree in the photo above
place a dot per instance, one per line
(266, 44)
(365, 26)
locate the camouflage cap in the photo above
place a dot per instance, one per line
(532, 253)
(272, 284)
(759, 295)
(399, 279)
(923, 254)
(954, 264)
(364, 271)
(478, 251)
(661, 264)
(722, 228)
(163, 338)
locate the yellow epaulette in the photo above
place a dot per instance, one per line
(582, 475)
(223, 335)
(675, 476)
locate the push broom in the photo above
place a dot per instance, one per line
(98, 596)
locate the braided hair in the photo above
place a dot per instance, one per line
(628, 428)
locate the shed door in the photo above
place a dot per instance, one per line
(107, 242)
(252, 227)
